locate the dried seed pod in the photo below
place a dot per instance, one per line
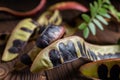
(69, 5)
(18, 39)
(24, 75)
(27, 13)
(50, 17)
(68, 49)
(107, 69)
(49, 35)
(67, 71)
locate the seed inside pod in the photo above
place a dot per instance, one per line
(68, 51)
(109, 55)
(115, 72)
(102, 71)
(13, 50)
(107, 69)
(81, 48)
(50, 34)
(26, 59)
(55, 57)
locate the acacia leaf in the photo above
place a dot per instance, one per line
(86, 32)
(100, 18)
(92, 28)
(82, 26)
(86, 17)
(98, 24)
(92, 10)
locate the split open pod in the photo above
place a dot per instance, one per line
(70, 48)
(107, 69)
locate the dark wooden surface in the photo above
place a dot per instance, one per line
(8, 21)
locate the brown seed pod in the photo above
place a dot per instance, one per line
(67, 71)
(107, 69)
(69, 49)
(27, 13)
(24, 75)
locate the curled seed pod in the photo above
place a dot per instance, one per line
(18, 39)
(107, 69)
(49, 35)
(69, 5)
(23, 14)
(68, 49)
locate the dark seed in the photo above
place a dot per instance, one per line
(67, 51)
(13, 50)
(42, 42)
(92, 54)
(25, 59)
(18, 43)
(103, 72)
(81, 49)
(115, 72)
(55, 57)
(109, 55)
(26, 30)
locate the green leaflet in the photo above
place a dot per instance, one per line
(92, 28)
(100, 18)
(86, 17)
(99, 25)
(92, 10)
(86, 32)
(82, 26)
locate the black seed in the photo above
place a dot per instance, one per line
(55, 57)
(103, 72)
(92, 54)
(81, 49)
(115, 72)
(84, 48)
(26, 29)
(71, 48)
(109, 55)
(67, 51)
(25, 59)
(13, 50)
(18, 43)
(42, 41)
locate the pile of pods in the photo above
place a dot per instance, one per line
(53, 46)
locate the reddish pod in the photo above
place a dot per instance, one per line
(27, 13)
(71, 5)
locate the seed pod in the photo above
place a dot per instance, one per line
(50, 17)
(49, 35)
(69, 5)
(107, 69)
(68, 49)
(18, 39)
